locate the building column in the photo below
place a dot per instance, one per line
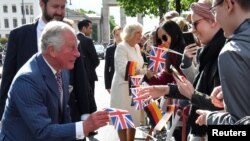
(105, 20)
(140, 18)
(122, 18)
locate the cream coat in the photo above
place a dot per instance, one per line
(120, 90)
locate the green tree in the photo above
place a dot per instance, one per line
(87, 12)
(154, 7)
(112, 24)
(3, 41)
(183, 4)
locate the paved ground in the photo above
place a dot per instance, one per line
(107, 133)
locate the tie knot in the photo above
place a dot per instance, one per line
(58, 75)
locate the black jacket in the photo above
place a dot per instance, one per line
(109, 68)
(89, 54)
(22, 44)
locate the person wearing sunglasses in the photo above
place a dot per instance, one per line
(168, 35)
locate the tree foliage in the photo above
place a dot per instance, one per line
(112, 24)
(153, 7)
(185, 4)
(87, 12)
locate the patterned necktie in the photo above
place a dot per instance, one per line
(60, 88)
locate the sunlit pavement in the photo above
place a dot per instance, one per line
(102, 97)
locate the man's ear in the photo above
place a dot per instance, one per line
(42, 4)
(52, 51)
(229, 5)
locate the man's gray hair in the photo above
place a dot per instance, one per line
(53, 34)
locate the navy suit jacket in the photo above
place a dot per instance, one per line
(33, 107)
(109, 68)
(21, 46)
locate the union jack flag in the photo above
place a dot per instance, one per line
(121, 119)
(134, 92)
(138, 102)
(157, 59)
(136, 80)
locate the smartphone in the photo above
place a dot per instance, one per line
(175, 73)
(189, 38)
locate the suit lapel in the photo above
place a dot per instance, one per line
(48, 76)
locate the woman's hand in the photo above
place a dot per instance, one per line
(150, 74)
(190, 50)
(185, 87)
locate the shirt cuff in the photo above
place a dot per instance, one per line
(79, 130)
(84, 116)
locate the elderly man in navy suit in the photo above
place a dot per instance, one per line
(36, 107)
(23, 43)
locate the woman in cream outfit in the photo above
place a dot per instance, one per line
(127, 50)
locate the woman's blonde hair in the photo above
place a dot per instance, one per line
(130, 30)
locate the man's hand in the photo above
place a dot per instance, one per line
(185, 87)
(94, 121)
(217, 97)
(153, 91)
(202, 119)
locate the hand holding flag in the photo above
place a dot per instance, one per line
(121, 119)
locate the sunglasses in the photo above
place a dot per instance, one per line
(163, 38)
(195, 24)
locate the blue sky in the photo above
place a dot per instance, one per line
(95, 5)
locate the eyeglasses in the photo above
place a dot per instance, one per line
(195, 24)
(213, 10)
(163, 38)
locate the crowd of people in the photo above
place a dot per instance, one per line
(48, 80)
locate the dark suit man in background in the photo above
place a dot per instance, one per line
(89, 55)
(109, 67)
(23, 43)
(36, 106)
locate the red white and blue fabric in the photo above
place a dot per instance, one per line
(121, 119)
(136, 80)
(134, 92)
(137, 102)
(157, 59)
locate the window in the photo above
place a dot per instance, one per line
(13, 8)
(14, 22)
(22, 10)
(6, 23)
(31, 10)
(5, 9)
(23, 21)
(27, 10)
